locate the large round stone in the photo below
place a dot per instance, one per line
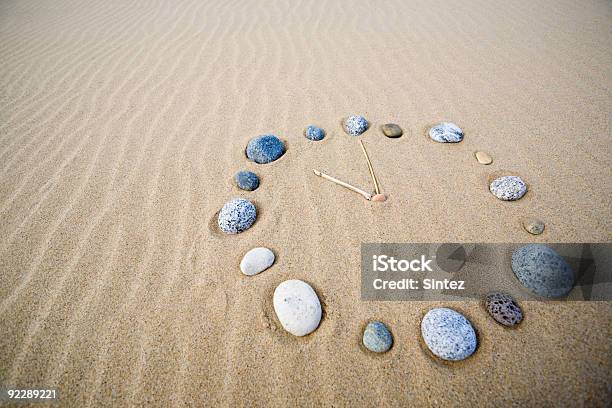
(508, 188)
(446, 132)
(265, 149)
(542, 270)
(237, 215)
(448, 334)
(297, 307)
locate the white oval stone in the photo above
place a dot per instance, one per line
(297, 307)
(256, 261)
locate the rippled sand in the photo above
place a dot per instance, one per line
(123, 123)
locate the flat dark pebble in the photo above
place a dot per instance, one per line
(392, 130)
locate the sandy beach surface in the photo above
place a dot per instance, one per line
(123, 123)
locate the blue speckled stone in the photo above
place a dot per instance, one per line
(355, 125)
(237, 215)
(377, 338)
(446, 132)
(314, 133)
(508, 188)
(265, 149)
(448, 334)
(247, 180)
(542, 270)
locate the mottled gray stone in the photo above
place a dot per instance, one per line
(314, 133)
(503, 309)
(247, 180)
(355, 125)
(446, 132)
(448, 334)
(237, 215)
(377, 338)
(265, 149)
(508, 188)
(392, 130)
(542, 270)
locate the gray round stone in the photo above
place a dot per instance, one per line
(448, 334)
(446, 132)
(392, 130)
(377, 338)
(247, 180)
(237, 215)
(533, 226)
(265, 149)
(508, 188)
(355, 125)
(503, 309)
(542, 270)
(314, 133)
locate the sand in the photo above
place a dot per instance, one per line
(122, 125)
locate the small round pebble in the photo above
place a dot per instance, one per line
(256, 261)
(297, 307)
(377, 338)
(265, 149)
(247, 180)
(483, 158)
(237, 215)
(503, 309)
(542, 270)
(448, 334)
(446, 132)
(314, 133)
(508, 188)
(392, 130)
(355, 125)
(533, 226)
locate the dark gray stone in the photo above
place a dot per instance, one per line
(265, 149)
(247, 180)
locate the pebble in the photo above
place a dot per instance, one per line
(508, 188)
(314, 133)
(503, 309)
(237, 215)
(247, 180)
(297, 307)
(355, 125)
(533, 226)
(392, 130)
(377, 338)
(256, 261)
(542, 270)
(265, 149)
(448, 334)
(483, 158)
(446, 132)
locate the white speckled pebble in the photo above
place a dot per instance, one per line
(297, 307)
(256, 261)
(448, 334)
